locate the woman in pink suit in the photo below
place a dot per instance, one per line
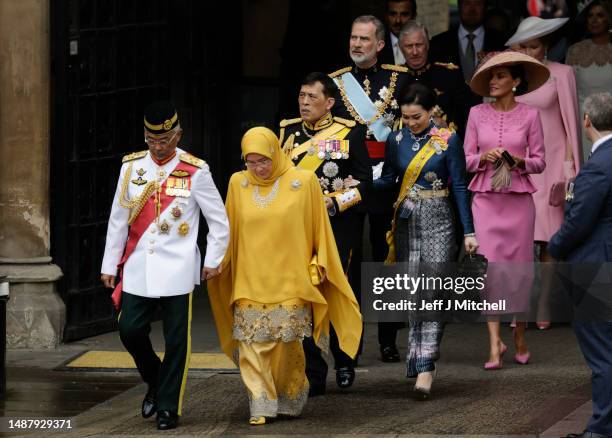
(557, 101)
(503, 147)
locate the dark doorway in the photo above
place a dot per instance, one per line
(111, 58)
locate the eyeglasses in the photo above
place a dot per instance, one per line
(259, 163)
(162, 142)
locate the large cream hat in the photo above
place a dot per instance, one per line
(536, 73)
(535, 27)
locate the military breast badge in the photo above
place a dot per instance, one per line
(139, 181)
(164, 227)
(183, 229)
(176, 212)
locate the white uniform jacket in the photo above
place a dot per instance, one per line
(166, 263)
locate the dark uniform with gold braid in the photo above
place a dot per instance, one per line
(152, 241)
(333, 148)
(383, 85)
(446, 80)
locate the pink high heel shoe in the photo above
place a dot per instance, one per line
(522, 359)
(498, 364)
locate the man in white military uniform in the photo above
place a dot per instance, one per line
(152, 241)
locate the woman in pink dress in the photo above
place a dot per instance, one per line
(557, 101)
(503, 147)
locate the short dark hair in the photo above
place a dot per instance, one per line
(418, 94)
(329, 86)
(413, 5)
(518, 72)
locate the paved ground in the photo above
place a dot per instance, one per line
(549, 397)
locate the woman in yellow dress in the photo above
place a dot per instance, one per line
(281, 279)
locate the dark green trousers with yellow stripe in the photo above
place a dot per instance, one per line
(169, 375)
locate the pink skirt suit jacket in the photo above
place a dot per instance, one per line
(504, 220)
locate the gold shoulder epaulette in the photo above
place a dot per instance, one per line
(190, 159)
(447, 65)
(346, 122)
(340, 72)
(286, 122)
(134, 156)
(398, 68)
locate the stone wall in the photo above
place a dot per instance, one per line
(35, 312)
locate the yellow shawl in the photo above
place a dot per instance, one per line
(269, 253)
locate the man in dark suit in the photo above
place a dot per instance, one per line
(466, 44)
(398, 13)
(586, 238)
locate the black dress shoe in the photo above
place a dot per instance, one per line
(149, 403)
(389, 354)
(166, 420)
(345, 376)
(315, 391)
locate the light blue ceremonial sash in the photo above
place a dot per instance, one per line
(364, 106)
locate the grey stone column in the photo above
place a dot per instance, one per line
(35, 314)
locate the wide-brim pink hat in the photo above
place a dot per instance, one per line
(536, 73)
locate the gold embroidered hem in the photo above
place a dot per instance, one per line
(283, 322)
(263, 407)
(274, 376)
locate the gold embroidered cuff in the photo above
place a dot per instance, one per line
(347, 198)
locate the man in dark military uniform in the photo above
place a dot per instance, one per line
(445, 79)
(335, 150)
(368, 94)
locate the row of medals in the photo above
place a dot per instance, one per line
(176, 211)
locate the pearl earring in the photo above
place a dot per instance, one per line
(514, 89)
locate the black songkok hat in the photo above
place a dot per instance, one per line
(160, 117)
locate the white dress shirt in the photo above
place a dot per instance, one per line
(166, 264)
(397, 52)
(479, 35)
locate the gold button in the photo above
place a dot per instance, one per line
(151, 251)
(152, 230)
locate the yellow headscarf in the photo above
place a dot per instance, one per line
(262, 141)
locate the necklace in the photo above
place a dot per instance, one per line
(264, 201)
(306, 132)
(416, 145)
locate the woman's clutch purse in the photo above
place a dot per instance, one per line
(316, 274)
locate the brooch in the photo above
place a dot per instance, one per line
(245, 183)
(296, 184)
(399, 137)
(431, 176)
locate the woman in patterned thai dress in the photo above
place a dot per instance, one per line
(423, 231)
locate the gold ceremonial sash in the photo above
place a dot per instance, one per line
(337, 131)
(413, 170)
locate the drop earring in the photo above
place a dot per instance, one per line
(514, 89)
